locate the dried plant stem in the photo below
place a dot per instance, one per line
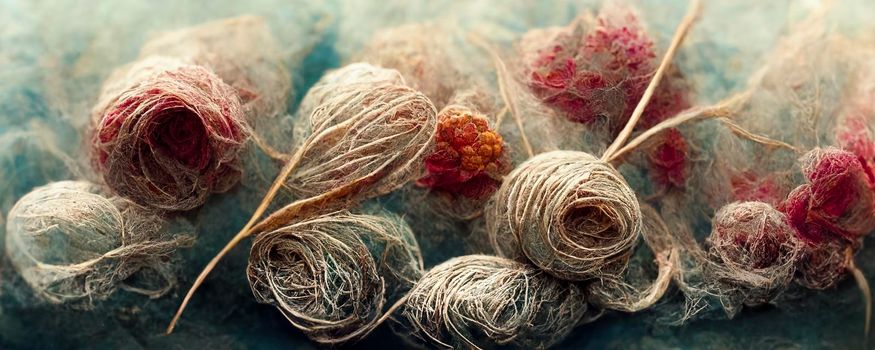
(306, 206)
(864, 288)
(744, 133)
(680, 34)
(719, 110)
(271, 152)
(262, 207)
(501, 73)
(499, 117)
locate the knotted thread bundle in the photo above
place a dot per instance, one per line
(72, 244)
(167, 134)
(332, 276)
(568, 213)
(478, 301)
(755, 251)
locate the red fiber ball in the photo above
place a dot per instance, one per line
(171, 137)
(836, 201)
(753, 235)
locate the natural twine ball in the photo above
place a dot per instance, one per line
(332, 276)
(366, 126)
(479, 301)
(568, 213)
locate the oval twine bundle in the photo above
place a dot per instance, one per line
(366, 139)
(332, 276)
(574, 215)
(71, 244)
(167, 134)
(478, 301)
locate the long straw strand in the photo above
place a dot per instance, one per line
(679, 35)
(244, 232)
(863, 284)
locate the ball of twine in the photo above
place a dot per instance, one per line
(368, 128)
(168, 134)
(569, 213)
(479, 301)
(755, 250)
(332, 275)
(71, 244)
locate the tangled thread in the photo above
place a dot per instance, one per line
(72, 244)
(168, 134)
(478, 301)
(755, 249)
(569, 213)
(332, 275)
